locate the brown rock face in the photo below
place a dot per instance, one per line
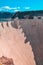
(6, 61)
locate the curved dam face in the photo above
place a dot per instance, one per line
(33, 31)
(12, 45)
(21, 38)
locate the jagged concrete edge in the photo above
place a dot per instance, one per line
(25, 39)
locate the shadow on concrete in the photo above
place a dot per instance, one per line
(33, 29)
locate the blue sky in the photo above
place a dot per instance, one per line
(20, 5)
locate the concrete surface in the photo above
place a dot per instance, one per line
(12, 45)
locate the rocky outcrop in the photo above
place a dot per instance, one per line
(6, 61)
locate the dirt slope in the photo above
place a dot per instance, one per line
(12, 45)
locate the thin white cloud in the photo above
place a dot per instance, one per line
(6, 7)
(0, 9)
(9, 8)
(18, 7)
(16, 10)
(26, 7)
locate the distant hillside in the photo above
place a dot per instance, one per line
(6, 15)
(27, 14)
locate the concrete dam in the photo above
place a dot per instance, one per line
(26, 38)
(32, 27)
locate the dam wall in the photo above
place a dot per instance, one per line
(31, 24)
(33, 30)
